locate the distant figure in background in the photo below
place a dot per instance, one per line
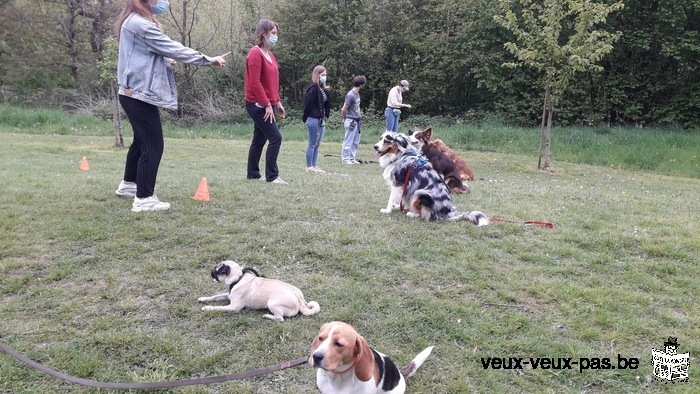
(394, 103)
(145, 78)
(317, 109)
(262, 98)
(352, 119)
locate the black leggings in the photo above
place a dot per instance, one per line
(145, 152)
(263, 132)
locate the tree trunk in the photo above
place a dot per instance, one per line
(117, 116)
(545, 129)
(548, 136)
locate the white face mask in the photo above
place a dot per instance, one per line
(322, 79)
(271, 41)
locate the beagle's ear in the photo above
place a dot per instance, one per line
(364, 369)
(429, 133)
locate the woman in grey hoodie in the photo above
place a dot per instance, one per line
(146, 82)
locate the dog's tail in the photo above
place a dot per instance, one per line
(417, 361)
(308, 308)
(475, 217)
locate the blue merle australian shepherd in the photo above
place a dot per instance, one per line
(415, 186)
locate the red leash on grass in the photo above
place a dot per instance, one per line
(526, 222)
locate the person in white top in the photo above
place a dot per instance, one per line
(394, 103)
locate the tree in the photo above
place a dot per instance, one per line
(557, 38)
(108, 73)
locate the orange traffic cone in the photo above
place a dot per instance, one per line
(84, 164)
(202, 193)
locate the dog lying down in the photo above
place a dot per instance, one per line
(248, 289)
(347, 364)
(442, 163)
(415, 186)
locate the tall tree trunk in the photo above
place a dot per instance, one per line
(117, 116)
(548, 136)
(545, 129)
(70, 31)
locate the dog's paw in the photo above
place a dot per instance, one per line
(274, 317)
(202, 299)
(385, 210)
(207, 308)
(412, 214)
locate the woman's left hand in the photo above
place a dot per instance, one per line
(280, 110)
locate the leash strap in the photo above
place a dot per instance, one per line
(421, 160)
(151, 385)
(527, 222)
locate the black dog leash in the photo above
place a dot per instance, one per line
(151, 385)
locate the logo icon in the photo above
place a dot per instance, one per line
(668, 365)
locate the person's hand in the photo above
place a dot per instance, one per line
(172, 62)
(219, 61)
(269, 114)
(280, 110)
(407, 105)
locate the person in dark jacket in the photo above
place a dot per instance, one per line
(317, 109)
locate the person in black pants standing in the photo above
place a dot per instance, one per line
(145, 78)
(262, 99)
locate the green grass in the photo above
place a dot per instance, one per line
(95, 291)
(655, 150)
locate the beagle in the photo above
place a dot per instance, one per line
(346, 364)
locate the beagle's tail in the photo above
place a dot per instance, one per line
(417, 361)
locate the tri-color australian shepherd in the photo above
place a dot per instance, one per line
(415, 186)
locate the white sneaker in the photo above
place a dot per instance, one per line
(318, 170)
(127, 189)
(279, 181)
(310, 169)
(148, 204)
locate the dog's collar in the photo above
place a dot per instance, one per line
(357, 359)
(245, 271)
(421, 161)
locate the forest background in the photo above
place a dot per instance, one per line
(54, 53)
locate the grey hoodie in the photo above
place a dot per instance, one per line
(143, 69)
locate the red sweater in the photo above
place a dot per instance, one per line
(262, 80)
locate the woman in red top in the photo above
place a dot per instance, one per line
(262, 98)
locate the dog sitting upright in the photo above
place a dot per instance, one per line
(415, 185)
(348, 365)
(441, 163)
(247, 289)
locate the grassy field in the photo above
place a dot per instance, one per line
(95, 291)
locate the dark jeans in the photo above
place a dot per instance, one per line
(263, 132)
(145, 152)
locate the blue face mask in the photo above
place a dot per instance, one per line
(322, 79)
(160, 7)
(270, 41)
